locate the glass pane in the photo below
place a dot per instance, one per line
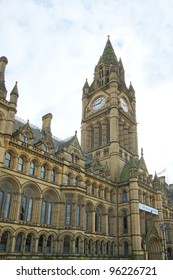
(29, 213)
(20, 164)
(6, 205)
(22, 208)
(78, 215)
(49, 212)
(68, 214)
(1, 201)
(43, 211)
(7, 160)
(18, 243)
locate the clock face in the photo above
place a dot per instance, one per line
(124, 105)
(98, 103)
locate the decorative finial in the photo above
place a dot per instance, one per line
(108, 37)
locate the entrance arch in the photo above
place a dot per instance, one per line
(154, 249)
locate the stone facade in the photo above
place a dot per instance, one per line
(60, 199)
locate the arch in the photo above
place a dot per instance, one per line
(154, 248)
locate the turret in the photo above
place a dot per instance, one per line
(85, 88)
(3, 63)
(14, 95)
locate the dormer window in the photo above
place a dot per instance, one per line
(24, 138)
(46, 148)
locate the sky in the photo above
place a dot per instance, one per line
(52, 46)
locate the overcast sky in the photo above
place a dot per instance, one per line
(53, 45)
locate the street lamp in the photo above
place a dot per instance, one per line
(163, 228)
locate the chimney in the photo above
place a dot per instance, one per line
(46, 124)
(3, 63)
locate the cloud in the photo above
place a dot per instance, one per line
(53, 46)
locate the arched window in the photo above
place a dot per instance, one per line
(68, 181)
(98, 216)
(78, 215)
(126, 248)
(20, 164)
(100, 135)
(111, 195)
(77, 245)
(124, 196)
(46, 148)
(92, 137)
(46, 211)
(4, 241)
(86, 220)
(43, 172)
(125, 222)
(26, 206)
(53, 176)
(24, 138)
(92, 189)
(41, 243)
(19, 242)
(5, 198)
(99, 192)
(68, 214)
(66, 245)
(32, 168)
(7, 161)
(107, 133)
(76, 181)
(49, 244)
(105, 193)
(28, 243)
(102, 248)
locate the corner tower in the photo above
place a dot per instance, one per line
(109, 128)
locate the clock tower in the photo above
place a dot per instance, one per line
(109, 128)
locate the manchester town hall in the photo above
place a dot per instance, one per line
(88, 199)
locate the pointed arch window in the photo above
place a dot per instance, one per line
(7, 161)
(20, 164)
(68, 214)
(5, 199)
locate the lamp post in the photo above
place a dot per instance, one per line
(163, 228)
